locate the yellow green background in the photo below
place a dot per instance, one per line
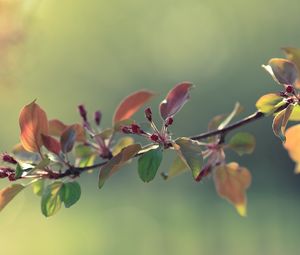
(96, 52)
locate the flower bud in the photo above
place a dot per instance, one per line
(169, 121)
(97, 117)
(289, 89)
(154, 137)
(9, 159)
(82, 112)
(148, 114)
(136, 129)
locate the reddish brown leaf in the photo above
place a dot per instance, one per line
(33, 122)
(231, 182)
(7, 194)
(57, 127)
(175, 100)
(51, 144)
(131, 104)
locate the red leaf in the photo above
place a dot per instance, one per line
(175, 100)
(33, 122)
(131, 104)
(51, 144)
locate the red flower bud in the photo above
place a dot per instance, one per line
(169, 121)
(154, 137)
(82, 112)
(136, 129)
(289, 89)
(148, 114)
(98, 116)
(9, 159)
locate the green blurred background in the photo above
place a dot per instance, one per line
(96, 52)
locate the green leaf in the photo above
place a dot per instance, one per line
(295, 115)
(70, 193)
(122, 143)
(8, 193)
(149, 163)
(85, 156)
(114, 164)
(242, 143)
(178, 166)
(19, 171)
(269, 103)
(191, 153)
(38, 187)
(52, 199)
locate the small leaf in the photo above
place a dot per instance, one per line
(51, 199)
(295, 115)
(282, 70)
(33, 122)
(114, 164)
(190, 152)
(68, 139)
(122, 143)
(19, 171)
(149, 163)
(236, 110)
(178, 167)
(25, 156)
(280, 121)
(8, 193)
(293, 54)
(242, 143)
(269, 103)
(131, 104)
(71, 193)
(175, 100)
(38, 187)
(292, 145)
(231, 183)
(51, 144)
(57, 127)
(85, 156)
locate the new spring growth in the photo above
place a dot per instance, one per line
(161, 137)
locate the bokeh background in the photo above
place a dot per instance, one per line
(66, 52)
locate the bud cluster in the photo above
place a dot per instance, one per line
(162, 137)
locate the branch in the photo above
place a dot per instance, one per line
(76, 171)
(224, 131)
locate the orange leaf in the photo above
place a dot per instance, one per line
(7, 194)
(33, 122)
(231, 182)
(131, 104)
(292, 145)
